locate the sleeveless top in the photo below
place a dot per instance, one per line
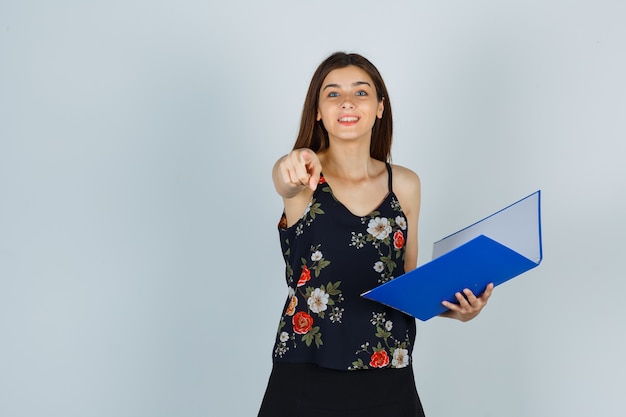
(333, 256)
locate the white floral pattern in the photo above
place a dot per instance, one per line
(379, 358)
(387, 235)
(379, 228)
(318, 301)
(401, 222)
(400, 358)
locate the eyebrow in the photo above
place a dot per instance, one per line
(354, 84)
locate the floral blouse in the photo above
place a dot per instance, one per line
(333, 256)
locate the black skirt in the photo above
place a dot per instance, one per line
(307, 390)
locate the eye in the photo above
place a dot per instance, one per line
(333, 94)
(361, 93)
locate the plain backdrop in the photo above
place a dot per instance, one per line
(140, 268)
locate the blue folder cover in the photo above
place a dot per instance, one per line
(473, 264)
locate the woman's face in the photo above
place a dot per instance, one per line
(348, 105)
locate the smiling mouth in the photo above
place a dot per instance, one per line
(349, 119)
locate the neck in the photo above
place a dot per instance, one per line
(349, 161)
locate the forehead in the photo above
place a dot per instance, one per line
(345, 77)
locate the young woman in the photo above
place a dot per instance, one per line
(349, 224)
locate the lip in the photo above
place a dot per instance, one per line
(348, 119)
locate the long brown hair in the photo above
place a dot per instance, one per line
(312, 133)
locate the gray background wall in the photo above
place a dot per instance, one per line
(140, 273)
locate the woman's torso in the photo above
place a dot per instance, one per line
(332, 256)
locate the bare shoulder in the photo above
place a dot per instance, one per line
(407, 187)
(405, 180)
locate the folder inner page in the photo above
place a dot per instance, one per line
(517, 227)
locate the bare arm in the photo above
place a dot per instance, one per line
(407, 187)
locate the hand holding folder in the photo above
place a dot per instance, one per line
(493, 250)
(468, 305)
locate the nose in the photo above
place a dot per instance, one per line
(347, 103)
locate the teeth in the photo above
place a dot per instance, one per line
(348, 119)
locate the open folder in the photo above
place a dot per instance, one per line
(495, 249)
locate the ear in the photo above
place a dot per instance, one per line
(381, 108)
(319, 115)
